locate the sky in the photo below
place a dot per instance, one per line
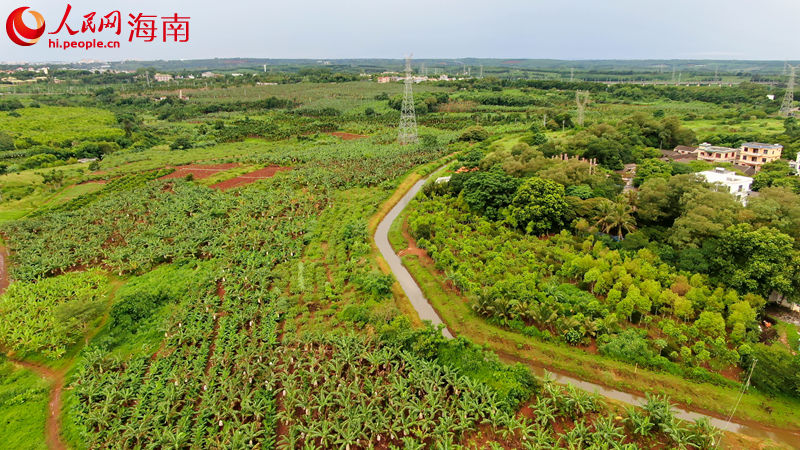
(324, 29)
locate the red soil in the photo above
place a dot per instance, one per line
(3, 270)
(199, 171)
(347, 136)
(260, 174)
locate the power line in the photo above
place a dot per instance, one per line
(738, 400)
(581, 99)
(788, 97)
(407, 132)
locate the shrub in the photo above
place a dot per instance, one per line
(474, 134)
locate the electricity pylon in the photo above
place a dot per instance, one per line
(581, 99)
(788, 97)
(407, 132)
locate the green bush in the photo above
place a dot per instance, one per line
(474, 134)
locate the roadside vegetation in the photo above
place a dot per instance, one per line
(191, 264)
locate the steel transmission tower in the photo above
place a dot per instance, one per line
(788, 98)
(407, 133)
(581, 99)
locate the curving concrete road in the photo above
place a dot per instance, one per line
(426, 312)
(410, 287)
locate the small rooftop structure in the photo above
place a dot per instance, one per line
(441, 180)
(737, 185)
(678, 156)
(685, 149)
(762, 145)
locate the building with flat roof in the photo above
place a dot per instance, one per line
(756, 154)
(713, 153)
(737, 185)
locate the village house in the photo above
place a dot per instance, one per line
(756, 154)
(162, 77)
(713, 153)
(737, 185)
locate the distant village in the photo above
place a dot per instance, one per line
(747, 159)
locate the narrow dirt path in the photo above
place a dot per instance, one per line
(4, 280)
(53, 422)
(56, 378)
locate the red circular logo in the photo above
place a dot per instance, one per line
(20, 33)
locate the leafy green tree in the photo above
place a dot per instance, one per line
(757, 260)
(53, 177)
(41, 160)
(776, 207)
(705, 216)
(6, 142)
(582, 191)
(741, 313)
(538, 206)
(659, 200)
(769, 173)
(181, 143)
(474, 134)
(682, 307)
(711, 323)
(488, 192)
(651, 168)
(129, 122)
(777, 371)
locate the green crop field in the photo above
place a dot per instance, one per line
(243, 302)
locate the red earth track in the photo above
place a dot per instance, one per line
(260, 174)
(199, 171)
(347, 136)
(4, 280)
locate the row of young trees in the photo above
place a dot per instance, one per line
(481, 230)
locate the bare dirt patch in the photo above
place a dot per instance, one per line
(347, 136)
(94, 182)
(199, 171)
(4, 281)
(260, 174)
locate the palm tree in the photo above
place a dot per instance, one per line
(615, 217)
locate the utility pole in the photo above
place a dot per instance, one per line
(407, 132)
(788, 97)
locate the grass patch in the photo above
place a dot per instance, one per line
(24, 397)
